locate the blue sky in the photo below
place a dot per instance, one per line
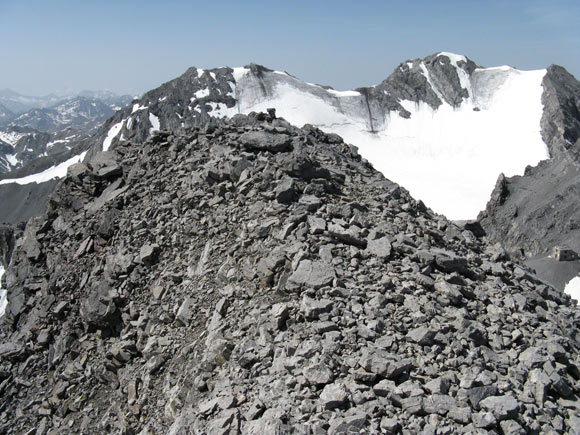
(133, 46)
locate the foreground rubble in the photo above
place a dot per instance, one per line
(255, 278)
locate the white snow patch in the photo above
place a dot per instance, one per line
(343, 93)
(129, 124)
(137, 107)
(410, 65)
(3, 294)
(12, 159)
(239, 73)
(162, 99)
(201, 93)
(573, 288)
(154, 120)
(200, 72)
(58, 171)
(54, 142)
(212, 75)
(112, 134)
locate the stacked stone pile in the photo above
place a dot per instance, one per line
(257, 278)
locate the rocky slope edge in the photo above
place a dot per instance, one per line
(252, 277)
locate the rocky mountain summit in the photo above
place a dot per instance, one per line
(254, 277)
(201, 96)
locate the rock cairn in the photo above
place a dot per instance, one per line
(257, 278)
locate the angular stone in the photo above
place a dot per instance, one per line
(477, 394)
(413, 405)
(155, 363)
(311, 202)
(380, 248)
(460, 415)
(313, 308)
(439, 404)
(389, 366)
(263, 141)
(438, 386)
(148, 254)
(390, 425)
(483, 420)
(422, 335)
(502, 407)
(449, 262)
(286, 191)
(334, 396)
(450, 291)
(318, 374)
(280, 313)
(311, 274)
(98, 310)
(532, 357)
(316, 225)
(384, 388)
(511, 427)
(184, 313)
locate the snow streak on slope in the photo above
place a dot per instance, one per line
(58, 171)
(450, 157)
(112, 134)
(154, 120)
(3, 298)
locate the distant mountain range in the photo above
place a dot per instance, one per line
(80, 112)
(36, 127)
(17, 104)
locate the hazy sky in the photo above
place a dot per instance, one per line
(133, 46)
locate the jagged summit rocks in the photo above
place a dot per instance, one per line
(215, 281)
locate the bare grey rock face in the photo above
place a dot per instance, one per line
(197, 299)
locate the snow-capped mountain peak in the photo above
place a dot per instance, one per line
(441, 126)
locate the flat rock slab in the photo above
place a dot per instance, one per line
(263, 141)
(313, 274)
